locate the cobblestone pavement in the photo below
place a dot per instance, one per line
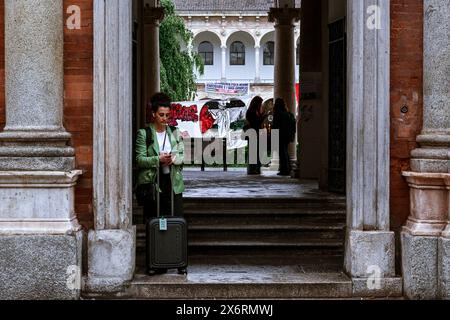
(237, 184)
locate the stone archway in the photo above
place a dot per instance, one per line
(369, 241)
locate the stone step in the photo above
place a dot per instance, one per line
(256, 211)
(258, 218)
(273, 247)
(267, 243)
(262, 207)
(261, 202)
(240, 218)
(217, 282)
(276, 226)
(267, 210)
(259, 233)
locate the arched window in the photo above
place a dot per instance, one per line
(237, 54)
(269, 53)
(206, 51)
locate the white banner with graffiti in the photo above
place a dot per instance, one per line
(211, 119)
(234, 89)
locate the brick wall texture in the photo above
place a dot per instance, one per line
(406, 91)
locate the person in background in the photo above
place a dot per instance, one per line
(255, 118)
(281, 122)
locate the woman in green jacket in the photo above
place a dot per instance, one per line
(164, 153)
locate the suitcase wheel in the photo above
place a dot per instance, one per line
(153, 272)
(182, 271)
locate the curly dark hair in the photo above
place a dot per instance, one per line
(160, 100)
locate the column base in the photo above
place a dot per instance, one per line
(377, 288)
(429, 203)
(433, 154)
(444, 268)
(38, 202)
(424, 228)
(446, 232)
(40, 267)
(36, 151)
(419, 264)
(370, 262)
(111, 260)
(36, 163)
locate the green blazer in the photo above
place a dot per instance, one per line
(148, 160)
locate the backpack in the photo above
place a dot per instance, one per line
(291, 126)
(149, 136)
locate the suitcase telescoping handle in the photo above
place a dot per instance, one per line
(158, 208)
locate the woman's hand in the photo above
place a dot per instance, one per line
(165, 159)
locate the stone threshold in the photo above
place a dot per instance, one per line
(236, 282)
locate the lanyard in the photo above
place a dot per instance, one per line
(164, 144)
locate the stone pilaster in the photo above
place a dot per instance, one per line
(370, 245)
(112, 244)
(257, 63)
(284, 79)
(425, 237)
(38, 227)
(223, 72)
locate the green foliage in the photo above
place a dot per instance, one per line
(177, 66)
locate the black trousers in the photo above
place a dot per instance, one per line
(150, 209)
(285, 161)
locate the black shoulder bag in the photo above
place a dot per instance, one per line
(146, 193)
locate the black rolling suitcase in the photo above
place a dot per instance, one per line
(166, 242)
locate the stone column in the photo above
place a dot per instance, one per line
(153, 16)
(284, 79)
(370, 245)
(257, 64)
(224, 64)
(38, 228)
(111, 245)
(425, 237)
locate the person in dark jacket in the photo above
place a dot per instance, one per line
(255, 118)
(281, 122)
